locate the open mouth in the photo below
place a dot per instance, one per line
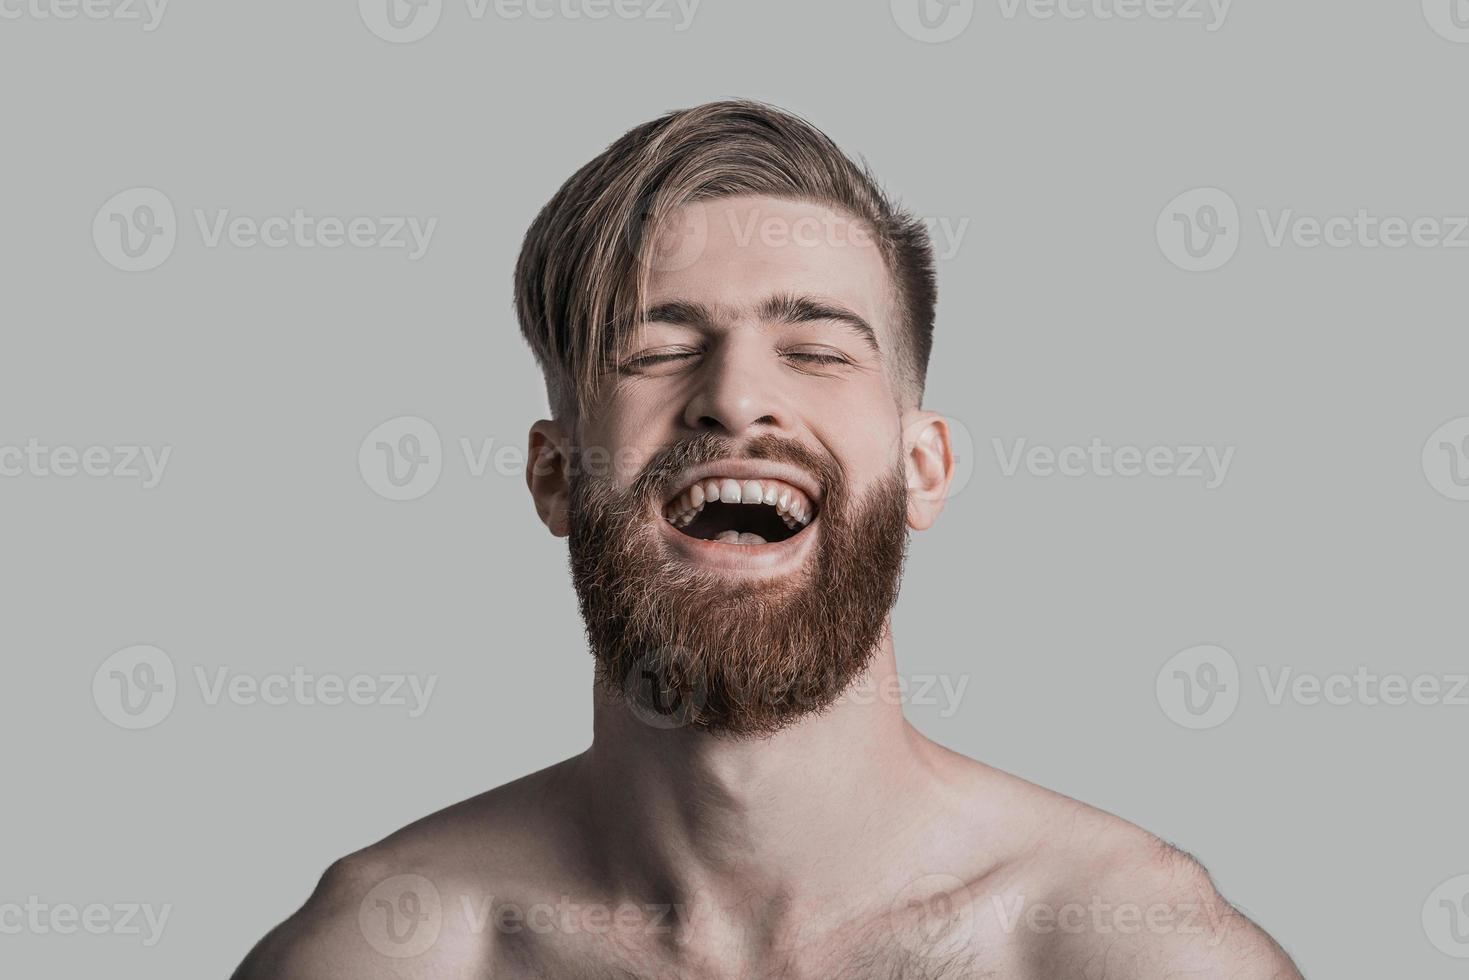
(740, 511)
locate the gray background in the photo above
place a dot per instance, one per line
(1059, 598)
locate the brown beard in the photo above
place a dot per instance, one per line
(688, 646)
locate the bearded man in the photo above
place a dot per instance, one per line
(734, 323)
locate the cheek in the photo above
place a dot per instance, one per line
(868, 443)
(619, 448)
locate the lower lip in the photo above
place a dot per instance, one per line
(774, 556)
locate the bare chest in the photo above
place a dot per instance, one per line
(924, 954)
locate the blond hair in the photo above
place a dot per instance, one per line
(582, 271)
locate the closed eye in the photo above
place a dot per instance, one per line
(646, 361)
(812, 358)
(653, 360)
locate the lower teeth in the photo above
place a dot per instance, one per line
(737, 537)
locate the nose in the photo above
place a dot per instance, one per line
(736, 392)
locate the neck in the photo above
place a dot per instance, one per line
(695, 820)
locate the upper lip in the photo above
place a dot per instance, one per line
(748, 469)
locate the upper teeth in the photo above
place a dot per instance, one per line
(794, 507)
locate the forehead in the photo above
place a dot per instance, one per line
(730, 254)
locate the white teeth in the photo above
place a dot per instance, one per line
(736, 537)
(793, 507)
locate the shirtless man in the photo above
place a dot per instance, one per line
(734, 324)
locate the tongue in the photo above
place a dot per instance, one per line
(737, 537)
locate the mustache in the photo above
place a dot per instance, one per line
(660, 476)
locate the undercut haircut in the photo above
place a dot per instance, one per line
(584, 265)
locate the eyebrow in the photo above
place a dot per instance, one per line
(786, 308)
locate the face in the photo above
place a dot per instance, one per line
(739, 501)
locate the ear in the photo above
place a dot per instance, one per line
(548, 465)
(929, 463)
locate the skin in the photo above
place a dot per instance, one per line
(846, 845)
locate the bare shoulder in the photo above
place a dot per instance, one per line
(418, 903)
(367, 918)
(1098, 897)
(1145, 909)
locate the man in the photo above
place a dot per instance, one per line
(734, 324)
